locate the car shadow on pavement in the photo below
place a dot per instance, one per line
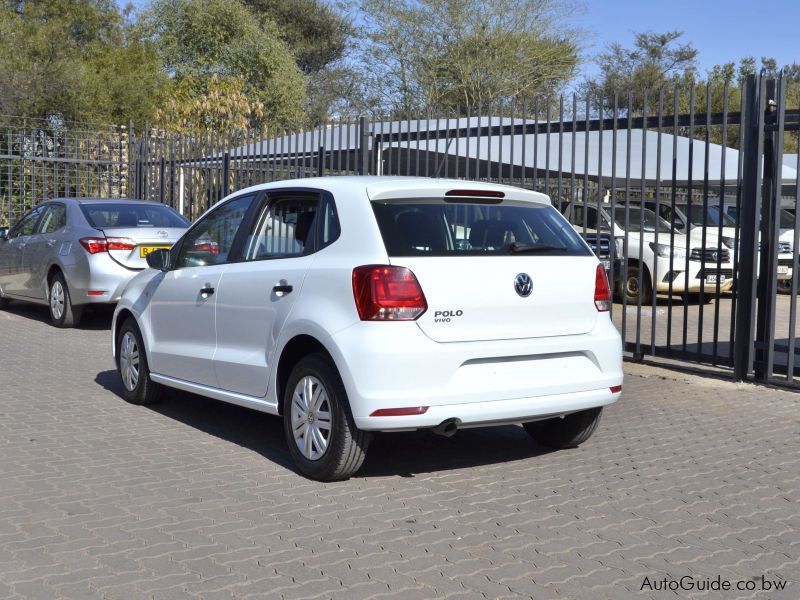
(96, 318)
(403, 454)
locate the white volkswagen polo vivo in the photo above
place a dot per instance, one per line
(350, 305)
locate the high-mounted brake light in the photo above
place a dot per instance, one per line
(602, 293)
(476, 194)
(93, 245)
(387, 293)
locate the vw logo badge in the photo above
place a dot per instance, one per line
(162, 233)
(523, 285)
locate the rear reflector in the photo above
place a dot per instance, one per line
(95, 293)
(386, 293)
(615, 389)
(400, 412)
(602, 293)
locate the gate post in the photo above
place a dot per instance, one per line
(770, 227)
(752, 129)
(363, 147)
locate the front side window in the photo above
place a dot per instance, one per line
(441, 228)
(27, 225)
(210, 241)
(286, 227)
(54, 219)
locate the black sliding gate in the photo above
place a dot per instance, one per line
(688, 196)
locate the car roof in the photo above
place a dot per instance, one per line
(104, 200)
(384, 187)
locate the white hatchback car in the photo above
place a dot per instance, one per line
(350, 305)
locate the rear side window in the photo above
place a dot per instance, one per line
(111, 215)
(439, 228)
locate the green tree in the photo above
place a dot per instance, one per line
(81, 59)
(468, 53)
(655, 61)
(201, 39)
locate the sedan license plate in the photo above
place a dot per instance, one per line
(145, 250)
(715, 278)
(783, 270)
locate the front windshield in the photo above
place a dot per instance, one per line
(651, 221)
(713, 216)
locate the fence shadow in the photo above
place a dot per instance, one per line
(391, 454)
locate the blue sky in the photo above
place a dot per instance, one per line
(721, 30)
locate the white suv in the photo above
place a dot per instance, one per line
(350, 305)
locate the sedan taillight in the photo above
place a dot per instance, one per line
(93, 245)
(386, 293)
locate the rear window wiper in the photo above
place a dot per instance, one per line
(517, 248)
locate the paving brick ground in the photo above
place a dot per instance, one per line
(197, 499)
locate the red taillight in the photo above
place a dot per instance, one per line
(93, 245)
(400, 412)
(385, 293)
(211, 248)
(615, 389)
(117, 243)
(602, 293)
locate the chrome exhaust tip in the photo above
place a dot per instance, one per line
(446, 428)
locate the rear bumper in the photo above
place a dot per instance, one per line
(395, 365)
(100, 273)
(494, 412)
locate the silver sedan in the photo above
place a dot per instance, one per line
(68, 253)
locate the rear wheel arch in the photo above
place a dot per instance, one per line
(293, 352)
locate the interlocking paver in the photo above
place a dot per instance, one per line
(197, 499)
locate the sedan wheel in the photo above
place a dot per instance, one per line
(62, 312)
(311, 417)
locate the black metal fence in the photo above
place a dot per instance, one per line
(689, 197)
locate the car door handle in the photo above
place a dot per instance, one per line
(51, 243)
(282, 289)
(207, 291)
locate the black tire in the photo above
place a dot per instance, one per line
(3, 302)
(145, 390)
(565, 432)
(708, 296)
(62, 312)
(631, 286)
(345, 445)
(784, 286)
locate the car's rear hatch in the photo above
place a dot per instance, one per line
(491, 268)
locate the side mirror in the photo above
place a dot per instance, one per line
(158, 259)
(3, 233)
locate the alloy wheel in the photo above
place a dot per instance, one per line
(311, 417)
(57, 300)
(129, 361)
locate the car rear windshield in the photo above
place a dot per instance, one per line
(440, 228)
(110, 215)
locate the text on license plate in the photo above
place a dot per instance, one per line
(714, 278)
(145, 250)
